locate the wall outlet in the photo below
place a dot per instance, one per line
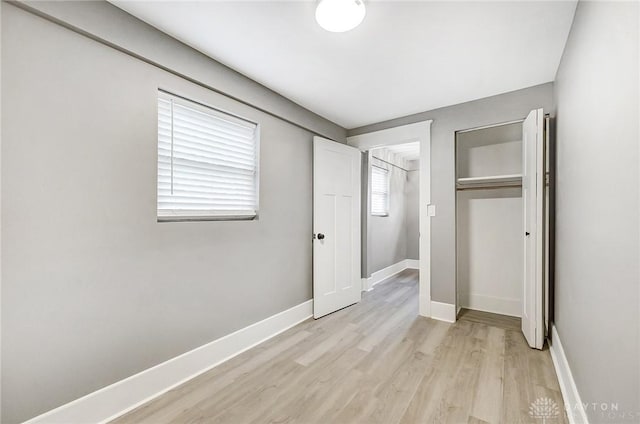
(431, 210)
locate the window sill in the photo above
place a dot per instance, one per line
(207, 218)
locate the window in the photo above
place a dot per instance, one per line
(379, 191)
(207, 162)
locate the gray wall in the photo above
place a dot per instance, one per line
(108, 24)
(491, 110)
(412, 213)
(387, 234)
(93, 288)
(597, 246)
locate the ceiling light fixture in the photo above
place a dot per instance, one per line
(340, 15)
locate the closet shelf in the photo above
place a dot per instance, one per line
(493, 181)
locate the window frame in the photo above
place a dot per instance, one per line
(387, 177)
(212, 215)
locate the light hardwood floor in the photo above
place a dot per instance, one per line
(374, 362)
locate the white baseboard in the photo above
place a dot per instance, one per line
(443, 311)
(121, 397)
(365, 284)
(413, 263)
(496, 305)
(572, 401)
(384, 273)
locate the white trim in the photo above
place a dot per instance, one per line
(443, 311)
(413, 263)
(365, 284)
(416, 132)
(496, 305)
(572, 402)
(125, 395)
(402, 134)
(381, 275)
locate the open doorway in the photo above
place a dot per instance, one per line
(391, 182)
(396, 229)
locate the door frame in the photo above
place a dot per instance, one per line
(420, 132)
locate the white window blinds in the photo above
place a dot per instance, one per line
(379, 191)
(207, 162)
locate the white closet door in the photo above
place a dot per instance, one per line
(533, 197)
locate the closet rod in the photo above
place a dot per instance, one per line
(485, 127)
(488, 187)
(392, 164)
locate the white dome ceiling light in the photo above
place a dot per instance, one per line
(340, 15)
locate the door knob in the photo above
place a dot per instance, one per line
(526, 233)
(320, 236)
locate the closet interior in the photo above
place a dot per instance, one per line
(489, 219)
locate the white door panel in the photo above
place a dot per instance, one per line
(336, 226)
(533, 207)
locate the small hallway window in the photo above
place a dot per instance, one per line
(379, 191)
(207, 162)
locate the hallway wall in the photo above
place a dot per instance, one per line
(387, 234)
(412, 212)
(395, 237)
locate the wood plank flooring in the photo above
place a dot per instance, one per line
(374, 362)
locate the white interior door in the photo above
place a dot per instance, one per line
(533, 197)
(336, 226)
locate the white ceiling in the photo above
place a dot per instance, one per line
(406, 57)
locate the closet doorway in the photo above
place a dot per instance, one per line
(489, 219)
(503, 211)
